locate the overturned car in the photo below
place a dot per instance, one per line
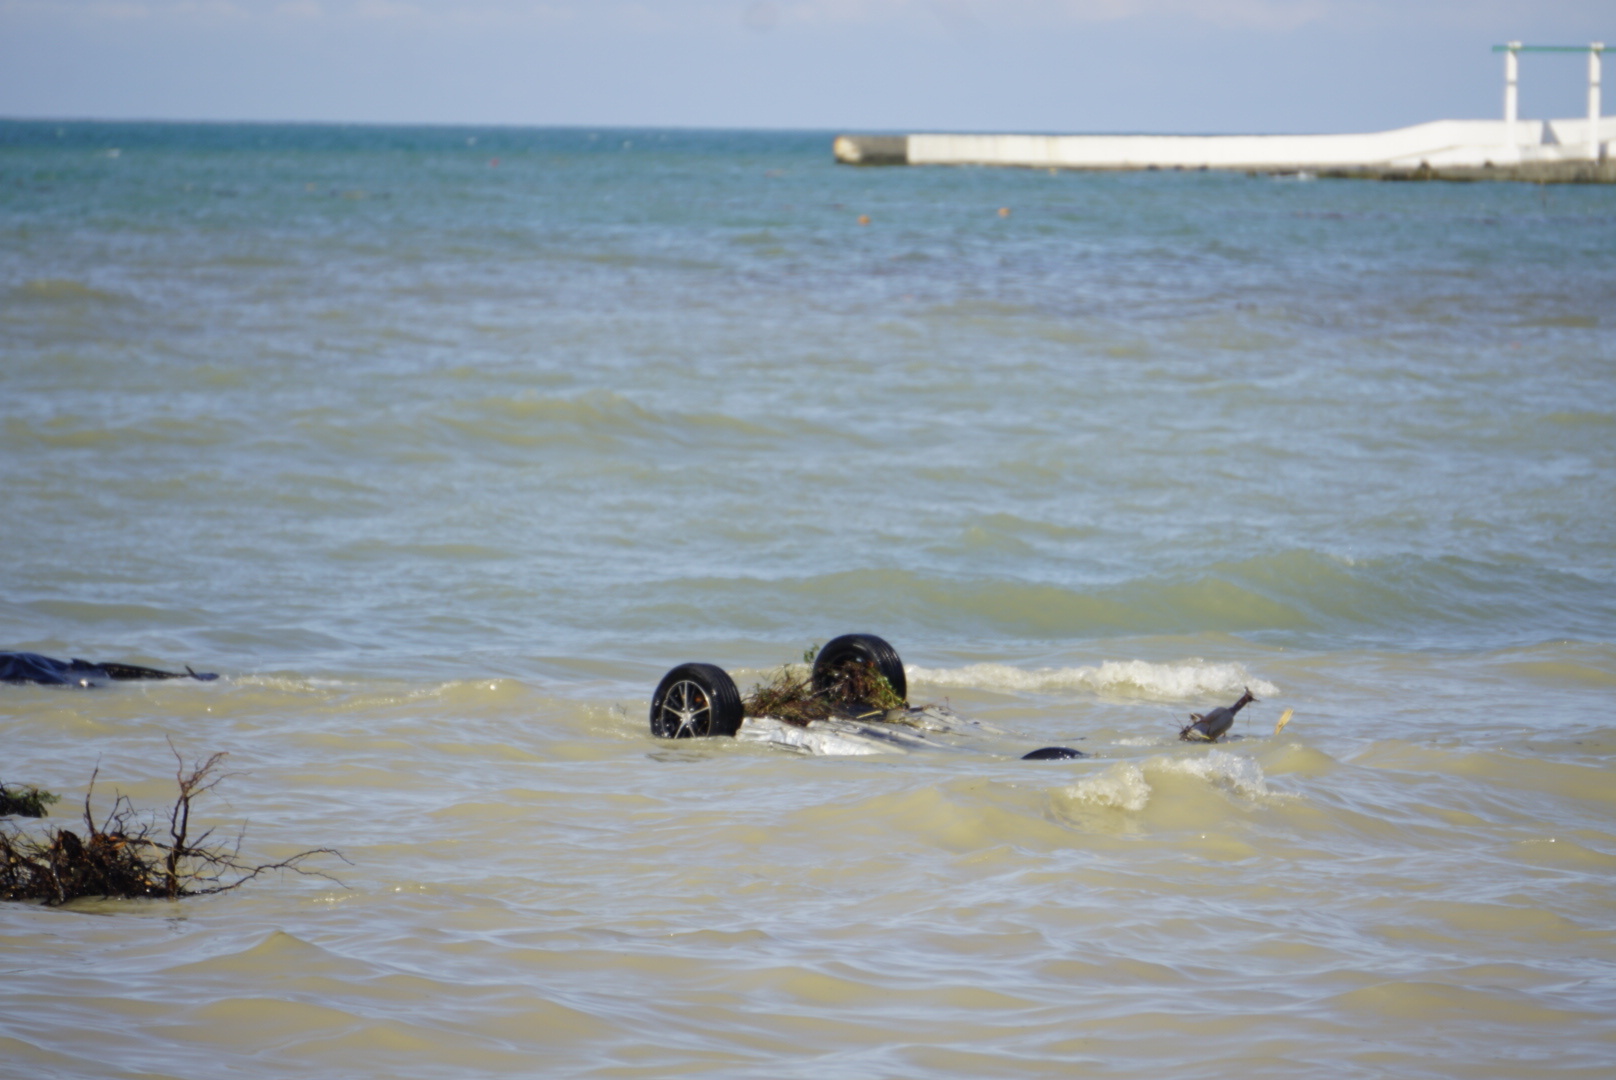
(853, 701)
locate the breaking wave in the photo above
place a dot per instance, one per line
(1233, 772)
(1126, 785)
(1120, 787)
(1128, 678)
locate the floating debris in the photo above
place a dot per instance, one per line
(1053, 753)
(25, 667)
(126, 855)
(25, 800)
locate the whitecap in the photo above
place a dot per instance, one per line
(1121, 787)
(1186, 680)
(1219, 768)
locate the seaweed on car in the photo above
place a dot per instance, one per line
(853, 699)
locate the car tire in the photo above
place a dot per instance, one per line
(863, 647)
(695, 700)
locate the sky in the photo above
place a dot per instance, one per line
(1192, 66)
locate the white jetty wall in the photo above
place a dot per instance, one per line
(1440, 144)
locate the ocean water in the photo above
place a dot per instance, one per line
(442, 445)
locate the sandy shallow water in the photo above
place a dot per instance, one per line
(441, 466)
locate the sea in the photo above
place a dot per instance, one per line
(441, 445)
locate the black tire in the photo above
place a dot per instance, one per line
(695, 700)
(860, 647)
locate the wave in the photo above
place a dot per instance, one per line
(1127, 786)
(70, 433)
(1131, 678)
(63, 291)
(1120, 787)
(600, 418)
(1219, 768)
(1298, 596)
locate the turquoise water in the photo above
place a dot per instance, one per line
(443, 444)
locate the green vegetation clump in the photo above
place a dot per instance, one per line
(129, 855)
(857, 688)
(25, 800)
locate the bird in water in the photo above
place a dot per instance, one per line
(1212, 726)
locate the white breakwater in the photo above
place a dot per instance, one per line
(1439, 144)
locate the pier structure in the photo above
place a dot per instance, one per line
(1574, 150)
(1595, 51)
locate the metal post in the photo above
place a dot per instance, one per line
(1512, 68)
(1593, 98)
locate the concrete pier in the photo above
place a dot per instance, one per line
(1579, 151)
(1542, 151)
(872, 149)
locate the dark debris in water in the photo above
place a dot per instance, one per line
(1053, 753)
(25, 800)
(26, 667)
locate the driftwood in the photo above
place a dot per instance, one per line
(128, 854)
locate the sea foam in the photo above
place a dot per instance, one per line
(1181, 681)
(1126, 785)
(1120, 787)
(1236, 773)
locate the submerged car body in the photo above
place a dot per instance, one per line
(854, 703)
(932, 727)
